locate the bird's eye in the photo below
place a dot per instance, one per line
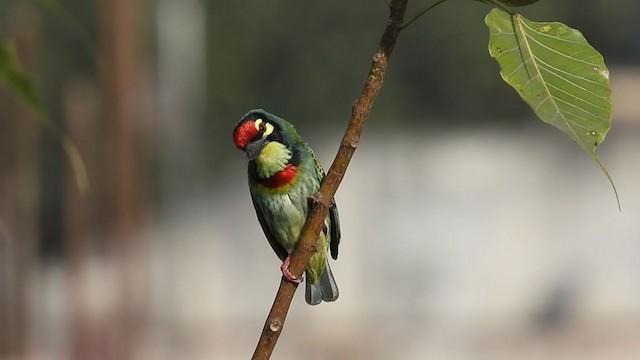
(263, 127)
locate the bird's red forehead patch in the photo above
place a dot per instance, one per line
(244, 133)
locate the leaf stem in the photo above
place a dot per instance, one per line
(502, 7)
(419, 14)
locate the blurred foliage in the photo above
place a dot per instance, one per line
(58, 53)
(17, 82)
(19, 85)
(510, 2)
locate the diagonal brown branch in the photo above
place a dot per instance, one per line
(321, 202)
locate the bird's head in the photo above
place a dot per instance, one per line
(257, 128)
(267, 140)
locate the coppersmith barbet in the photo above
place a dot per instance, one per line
(283, 174)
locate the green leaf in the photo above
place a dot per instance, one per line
(13, 78)
(510, 2)
(556, 72)
(16, 82)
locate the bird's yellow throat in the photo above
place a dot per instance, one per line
(273, 158)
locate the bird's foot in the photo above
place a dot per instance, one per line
(314, 200)
(287, 274)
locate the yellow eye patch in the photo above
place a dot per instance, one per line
(263, 127)
(258, 123)
(268, 130)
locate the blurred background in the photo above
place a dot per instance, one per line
(471, 230)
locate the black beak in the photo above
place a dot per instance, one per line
(254, 148)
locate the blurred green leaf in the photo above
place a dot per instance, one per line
(556, 72)
(50, 3)
(14, 79)
(510, 2)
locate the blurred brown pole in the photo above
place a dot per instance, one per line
(118, 47)
(121, 158)
(19, 185)
(79, 105)
(19, 136)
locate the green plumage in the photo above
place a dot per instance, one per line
(282, 210)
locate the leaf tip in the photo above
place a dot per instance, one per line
(606, 173)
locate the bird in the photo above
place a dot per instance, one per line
(283, 174)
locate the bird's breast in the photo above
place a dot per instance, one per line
(281, 178)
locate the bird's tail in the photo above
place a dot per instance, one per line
(323, 290)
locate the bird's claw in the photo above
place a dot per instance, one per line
(287, 274)
(314, 200)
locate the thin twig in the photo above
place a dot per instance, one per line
(321, 202)
(502, 7)
(422, 12)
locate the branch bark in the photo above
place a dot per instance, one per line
(321, 202)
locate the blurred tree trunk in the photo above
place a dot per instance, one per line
(19, 138)
(119, 50)
(18, 223)
(120, 40)
(80, 112)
